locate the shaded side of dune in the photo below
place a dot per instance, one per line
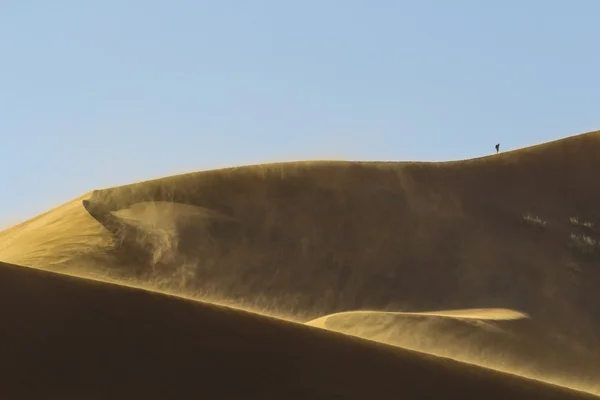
(65, 337)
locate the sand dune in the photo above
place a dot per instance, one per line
(308, 239)
(70, 338)
(318, 238)
(58, 239)
(506, 340)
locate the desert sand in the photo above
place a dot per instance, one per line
(504, 340)
(351, 280)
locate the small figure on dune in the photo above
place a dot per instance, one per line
(497, 148)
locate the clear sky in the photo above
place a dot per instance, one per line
(103, 93)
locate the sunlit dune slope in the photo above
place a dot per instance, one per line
(501, 339)
(62, 237)
(70, 338)
(322, 237)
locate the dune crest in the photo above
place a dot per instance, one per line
(480, 313)
(472, 313)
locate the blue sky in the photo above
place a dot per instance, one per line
(98, 94)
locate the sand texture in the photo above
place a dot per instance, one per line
(315, 280)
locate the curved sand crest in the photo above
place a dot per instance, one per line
(67, 337)
(497, 314)
(471, 313)
(502, 339)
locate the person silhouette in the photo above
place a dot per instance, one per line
(497, 148)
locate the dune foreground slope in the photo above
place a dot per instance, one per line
(72, 338)
(324, 242)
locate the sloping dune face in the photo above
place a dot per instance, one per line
(311, 239)
(335, 236)
(505, 340)
(60, 239)
(71, 338)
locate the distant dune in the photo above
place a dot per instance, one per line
(304, 240)
(69, 338)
